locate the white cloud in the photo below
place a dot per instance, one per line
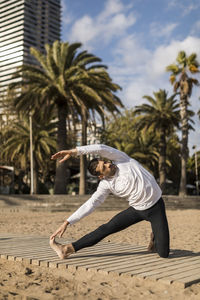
(195, 28)
(112, 7)
(118, 24)
(137, 89)
(140, 71)
(67, 18)
(84, 30)
(172, 3)
(186, 7)
(111, 23)
(131, 54)
(158, 30)
(165, 55)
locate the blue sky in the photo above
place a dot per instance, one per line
(137, 39)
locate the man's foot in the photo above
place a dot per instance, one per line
(63, 251)
(151, 247)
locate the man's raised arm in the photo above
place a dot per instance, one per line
(103, 151)
(96, 149)
(64, 155)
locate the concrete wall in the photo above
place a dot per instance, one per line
(70, 203)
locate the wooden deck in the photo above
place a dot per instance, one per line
(182, 268)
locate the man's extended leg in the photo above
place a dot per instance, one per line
(119, 222)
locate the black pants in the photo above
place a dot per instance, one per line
(155, 215)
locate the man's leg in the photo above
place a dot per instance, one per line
(119, 222)
(158, 219)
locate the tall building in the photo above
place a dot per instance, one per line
(94, 133)
(25, 24)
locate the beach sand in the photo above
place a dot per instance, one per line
(20, 281)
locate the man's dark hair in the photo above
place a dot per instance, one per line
(92, 165)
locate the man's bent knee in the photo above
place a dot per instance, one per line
(164, 253)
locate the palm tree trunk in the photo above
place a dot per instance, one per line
(35, 176)
(61, 169)
(83, 161)
(162, 162)
(184, 144)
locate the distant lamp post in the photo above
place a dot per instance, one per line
(31, 152)
(196, 169)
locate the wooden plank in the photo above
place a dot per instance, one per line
(56, 260)
(97, 256)
(93, 255)
(25, 249)
(112, 263)
(182, 282)
(22, 246)
(140, 267)
(38, 257)
(186, 272)
(190, 279)
(98, 262)
(86, 258)
(149, 267)
(32, 257)
(181, 268)
(158, 274)
(107, 247)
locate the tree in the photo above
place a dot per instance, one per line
(106, 100)
(183, 84)
(121, 133)
(173, 166)
(146, 151)
(16, 148)
(161, 116)
(193, 169)
(62, 80)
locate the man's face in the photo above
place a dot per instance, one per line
(106, 168)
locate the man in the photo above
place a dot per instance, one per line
(123, 177)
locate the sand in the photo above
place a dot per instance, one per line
(20, 281)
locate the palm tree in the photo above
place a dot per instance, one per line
(184, 84)
(146, 151)
(121, 132)
(173, 157)
(99, 81)
(17, 146)
(193, 168)
(61, 79)
(161, 116)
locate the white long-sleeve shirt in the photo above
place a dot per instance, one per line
(131, 181)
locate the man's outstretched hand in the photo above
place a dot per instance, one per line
(64, 155)
(60, 231)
